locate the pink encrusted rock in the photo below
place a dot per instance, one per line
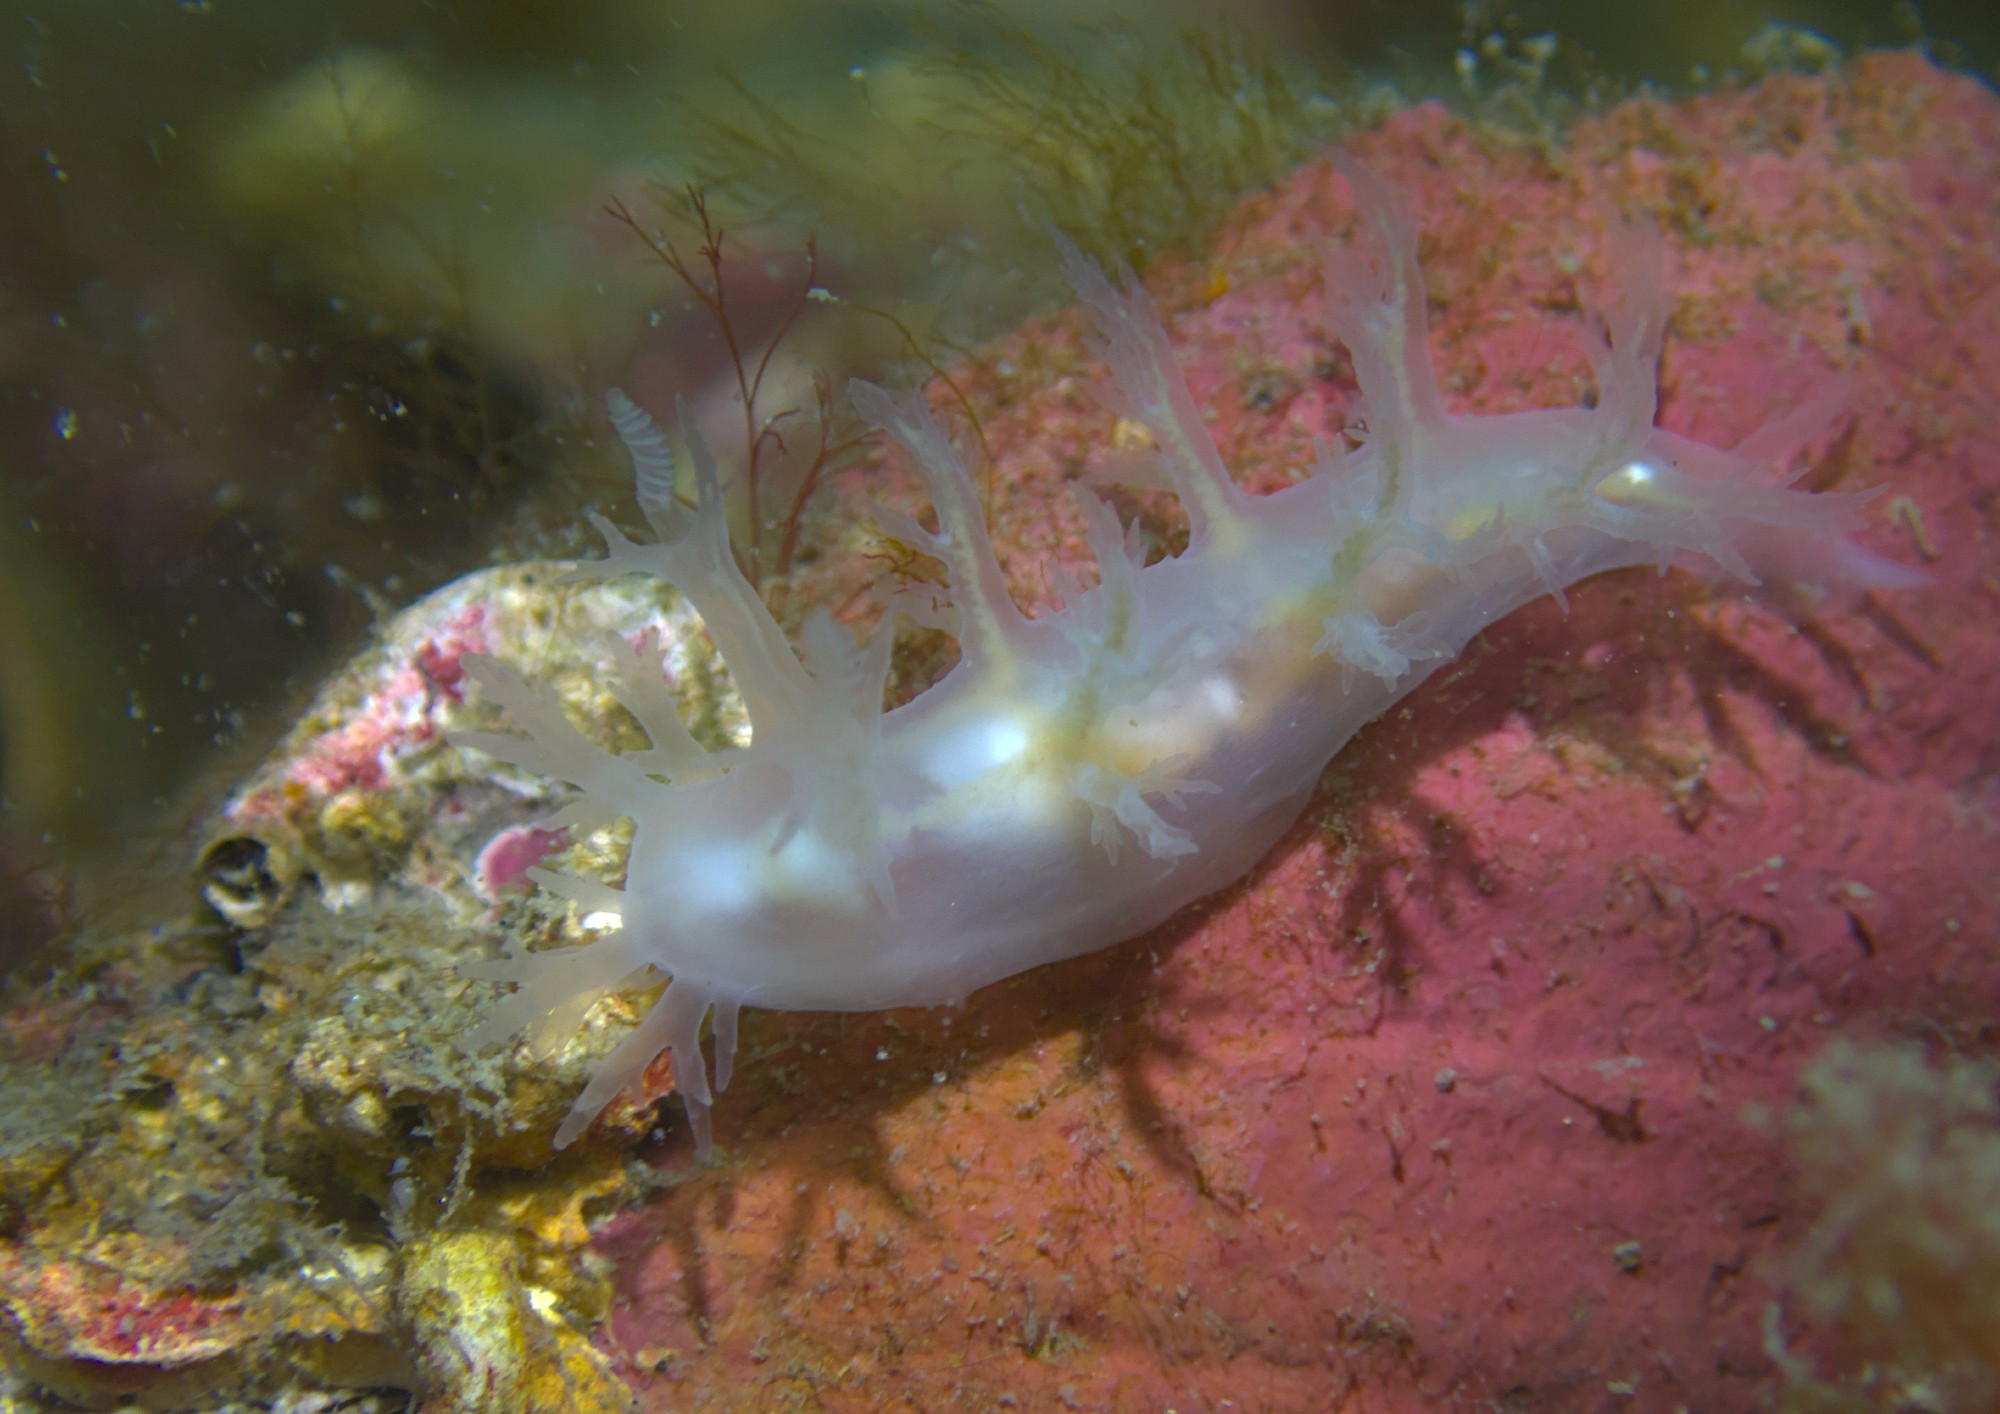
(365, 789)
(1452, 1100)
(170, 1345)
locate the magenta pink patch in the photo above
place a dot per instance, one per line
(440, 659)
(504, 864)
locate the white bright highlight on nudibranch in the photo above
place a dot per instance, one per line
(1223, 697)
(1005, 740)
(1633, 484)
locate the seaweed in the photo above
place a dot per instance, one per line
(763, 434)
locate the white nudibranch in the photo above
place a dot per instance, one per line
(1078, 778)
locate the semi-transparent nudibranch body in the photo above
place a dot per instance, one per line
(1078, 778)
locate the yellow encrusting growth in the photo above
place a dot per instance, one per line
(1903, 1258)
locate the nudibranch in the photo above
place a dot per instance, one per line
(1079, 777)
